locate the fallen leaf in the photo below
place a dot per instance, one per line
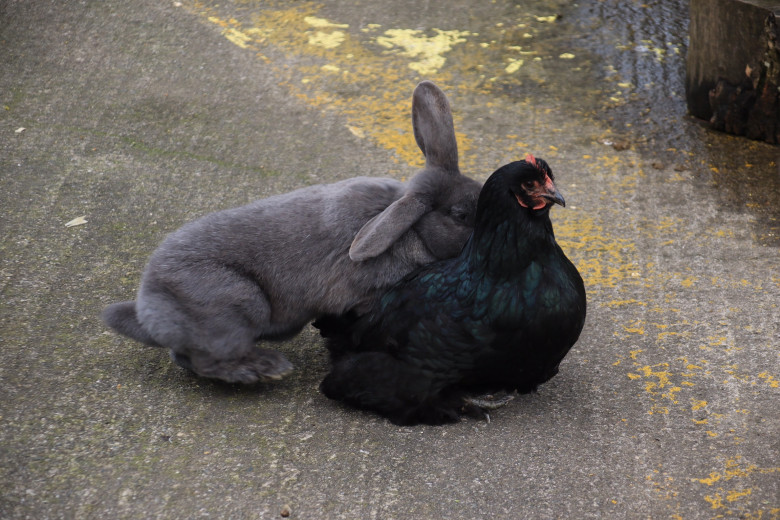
(76, 221)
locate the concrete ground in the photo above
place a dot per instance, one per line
(142, 115)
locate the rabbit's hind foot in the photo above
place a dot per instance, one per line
(257, 365)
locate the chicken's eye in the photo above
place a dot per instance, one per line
(529, 185)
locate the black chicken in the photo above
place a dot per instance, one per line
(499, 317)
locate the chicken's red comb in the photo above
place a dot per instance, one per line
(530, 159)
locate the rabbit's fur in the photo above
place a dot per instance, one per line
(219, 284)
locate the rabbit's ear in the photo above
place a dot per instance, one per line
(379, 233)
(433, 127)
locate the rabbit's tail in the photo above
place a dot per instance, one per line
(122, 318)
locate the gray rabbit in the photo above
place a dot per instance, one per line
(217, 285)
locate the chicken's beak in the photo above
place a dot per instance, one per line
(555, 197)
(551, 193)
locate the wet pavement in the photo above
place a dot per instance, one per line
(140, 116)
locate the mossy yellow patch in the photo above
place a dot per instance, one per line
(327, 40)
(426, 51)
(728, 492)
(773, 382)
(239, 38)
(514, 66)
(621, 303)
(323, 23)
(735, 468)
(325, 48)
(604, 261)
(635, 328)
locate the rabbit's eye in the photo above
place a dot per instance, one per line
(460, 215)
